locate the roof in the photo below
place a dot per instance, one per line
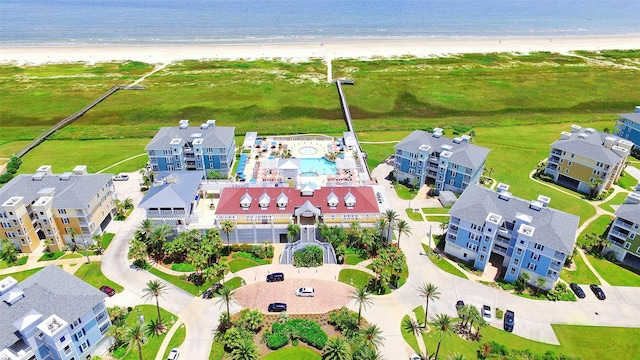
(74, 193)
(463, 153)
(589, 145)
(553, 228)
(635, 117)
(212, 137)
(49, 291)
(169, 194)
(630, 212)
(229, 203)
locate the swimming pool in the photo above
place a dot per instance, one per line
(317, 166)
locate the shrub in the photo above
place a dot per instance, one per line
(182, 267)
(499, 313)
(276, 341)
(12, 167)
(311, 256)
(344, 321)
(251, 320)
(234, 337)
(306, 331)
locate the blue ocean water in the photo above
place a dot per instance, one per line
(38, 22)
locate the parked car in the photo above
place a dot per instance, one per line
(415, 356)
(215, 287)
(275, 277)
(305, 291)
(173, 355)
(598, 291)
(486, 312)
(207, 294)
(577, 290)
(107, 290)
(277, 307)
(459, 306)
(509, 320)
(120, 177)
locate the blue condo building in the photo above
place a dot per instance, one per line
(628, 126)
(494, 228)
(202, 148)
(449, 164)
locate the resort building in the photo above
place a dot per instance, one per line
(263, 213)
(449, 164)
(205, 148)
(52, 315)
(68, 208)
(586, 160)
(625, 230)
(488, 226)
(628, 126)
(173, 198)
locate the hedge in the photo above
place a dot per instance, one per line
(306, 331)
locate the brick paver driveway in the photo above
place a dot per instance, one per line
(329, 295)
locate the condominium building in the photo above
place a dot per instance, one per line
(586, 160)
(489, 226)
(625, 230)
(628, 126)
(204, 148)
(52, 315)
(449, 164)
(173, 198)
(67, 208)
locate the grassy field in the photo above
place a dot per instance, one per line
(616, 200)
(293, 353)
(627, 181)
(352, 259)
(355, 278)
(443, 264)
(150, 348)
(21, 275)
(582, 274)
(439, 211)
(217, 351)
(415, 216)
(614, 274)
(180, 282)
(598, 226)
(92, 274)
(176, 340)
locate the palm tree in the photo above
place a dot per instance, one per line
(381, 226)
(443, 325)
(430, 292)
(138, 251)
(135, 335)
(146, 226)
(392, 218)
(372, 335)
(293, 230)
(366, 353)
(473, 317)
(227, 227)
(246, 350)
(403, 228)
(540, 282)
(481, 323)
(456, 356)
(157, 238)
(363, 299)
(155, 289)
(127, 203)
(72, 233)
(336, 348)
(225, 296)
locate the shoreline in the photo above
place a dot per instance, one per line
(303, 51)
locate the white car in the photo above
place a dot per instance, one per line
(305, 291)
(120, 177)
(173, 355)
(415, 356)
(486, 312)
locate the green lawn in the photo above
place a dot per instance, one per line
(239, 264)
(235, 283)
(582, 274)
(627, 181)
(352, 259)
(176, 340)
(443, 264)
(151, 347)
(355, 278)
(92, 274)
(21, 261)
(106, 240)
(293, 353)
(217, 351)
(438, 218)
(21, 275)
(408, 335)
(598, 226)
(71, 256)
(415, 216)
(599, 342)
(439, 210)
(180, 282)
(614, 274)
(616, 200)
(48, 256)
(404, 192)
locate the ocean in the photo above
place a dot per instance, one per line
(148, 22)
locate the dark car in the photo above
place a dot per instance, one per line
(207, 294)
(215, 287)
(107, 290)
(596, 290)
(509, 320)
(275, 277)
(277, 307)
(577, 290)
(459, 306)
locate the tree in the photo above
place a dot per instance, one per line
(428, 291)
(137, 251)
(403, 228)
(213, 236)
(128, 203)
(381, 226)
(378, 266)
(225, 296)
(135, 336)
(366, 353)
(336, 348)
(481, 323)
(251, 320)
(293, 230)
(594, 187)
(474, 316)
(156, 289)
(392, 217)
(227, 227)
(246, 350)
(363, 299)
(146, 226)
(9, 252)
(156, 240)
(412, 325)
(443, 325)
(525, 277)
(372, 336)
(540, 282)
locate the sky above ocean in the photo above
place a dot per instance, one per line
(64, 22)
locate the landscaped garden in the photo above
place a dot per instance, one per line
(580, 275)
(92, 274)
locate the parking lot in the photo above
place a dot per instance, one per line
(329, 295)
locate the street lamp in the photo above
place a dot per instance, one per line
(86, 249)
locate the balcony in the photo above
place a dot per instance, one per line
(556, 152)
(554, 160)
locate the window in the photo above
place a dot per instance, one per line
(570, 162)
(632, 235)
(10, 234)
(482, 258)
(484, 248)
(566, 171)
(518, 251)
(627, 245)
(472, 246)
(80, 334)
(512, 271)
(638, 250)
(535, 257)
(62, 339)
(538, 247)
(516, 261)
(532, 267)
(65, 220)
(62, 211)
(67, 350)
(6, 225)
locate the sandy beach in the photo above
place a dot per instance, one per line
(159, 54)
